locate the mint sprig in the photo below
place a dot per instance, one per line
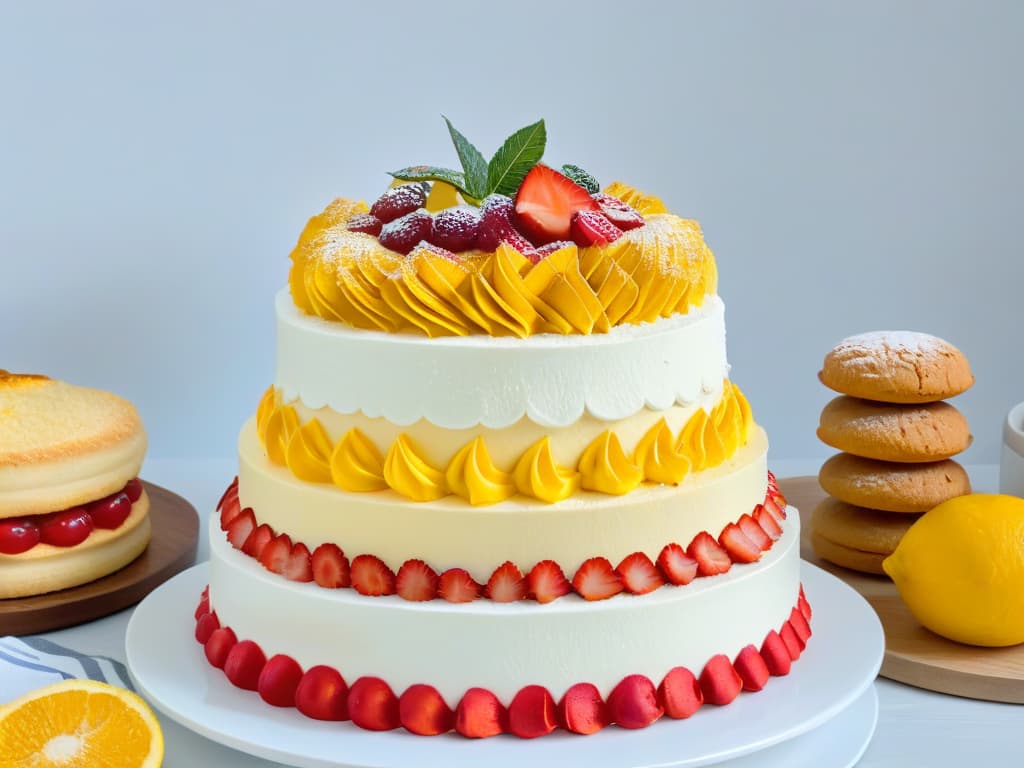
(520, 152)
(581, 177)
(474, 166)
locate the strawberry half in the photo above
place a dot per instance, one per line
(274, 556)
(240, 528)
(416, 581)
(257, 540)
(676, 566)
(620, 214)
(593, 228)
(597, 580)
(739, 546)
(547, 582)
(711, 558)
(506, 584)
(638, 574)
(371, 577)
(330, 567)
(753, 531)
(457, 586)
(299, 566)
(768, 523)
(546, 202)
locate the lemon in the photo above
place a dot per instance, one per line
(960, 569)
(79, 724)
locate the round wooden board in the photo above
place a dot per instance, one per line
(913, 655)
(172, 549)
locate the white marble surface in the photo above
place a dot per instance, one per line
(915, 727)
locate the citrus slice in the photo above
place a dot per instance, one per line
(79, 724)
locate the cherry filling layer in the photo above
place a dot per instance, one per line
(70, 527)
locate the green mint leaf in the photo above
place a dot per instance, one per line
(582, 178)
(431, 173)
(520, 152)
(473, 163)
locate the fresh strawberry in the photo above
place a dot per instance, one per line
(279, 680)
(740, 548)
(496, 226)
(532, 713)
(593, 228)
(416, 581)
(372, 704)
(800, 625)
(366, 223)
(506, 584)
(597, 580)
(330, 567)
(398, 201)
(218, 645)
(633, 703)
(776, 654)
(371, 577)
(322, 694)
(134, 489)
(547, 582)
(619, 213)
(480, 714)
(638, 574)
(243, 665)
(275, 554)
(299, 566)
(257, 540)
(711, 558)
(423, 712)
(719, 682)
(676, 566)
(751, 668)
(457, 586)
(455, 229)
(232, 488)
(203, 607)
(774, 510)
(231, 507)
(753, 531)
(402, 235)
(582, 710)
(546, 202)
(679, 693)
(794, 644)
(774, 492)
(804, 606)
(768, 523)
(240, 528)
(206, 626)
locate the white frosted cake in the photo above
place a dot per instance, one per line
(502, 482)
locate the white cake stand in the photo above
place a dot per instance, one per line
(834, 675)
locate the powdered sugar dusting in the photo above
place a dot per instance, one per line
(895, 341)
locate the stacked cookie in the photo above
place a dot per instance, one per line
(897, 438)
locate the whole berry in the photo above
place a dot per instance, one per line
(455, 229)
(399, 201)
(403, 234)
(364, 222)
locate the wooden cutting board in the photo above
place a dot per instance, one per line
(172, 549)
(913, 655)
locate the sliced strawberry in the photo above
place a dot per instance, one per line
(371, 577)
(299, 566)
(279, 680)
(244, 664)
(330, 567)
(206, 626)
(366, 223)
(322, 694)
(371, 702)
(755, 533)
(799, 623)
(457, 586)
(423, 712)
(218, 645)
(676, 566)
(593, 228)
(232, 487)
(480, 714)
(546, 202)
(275, 554)
(618, 212)
(582, 710)
(774, 510)
(638, 574)
(597, 580)
(633, 703)
(532, 713)
(506, 584)
(794, 644)
(229, 510)
(719, 682)
(547, 582)
(804, 606)
(775, 493)
(240, 528)
(773, 484)
(203, 607)
(740, 548)
(257, 540)
(416, 581)
(711, 558)
(680, 694)
(776, 655)
(751, 668)
(768, 523)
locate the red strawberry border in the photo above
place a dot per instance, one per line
(321, 693)
(596, 579)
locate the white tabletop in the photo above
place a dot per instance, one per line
(915, 727)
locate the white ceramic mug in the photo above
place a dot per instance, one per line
(1011, 468)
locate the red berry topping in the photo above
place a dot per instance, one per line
(774, 510)
(230, 507)
(676, 566)
(547, 582)
(582, 710)
(416, 581)
(240, 528)
(330, 567)
(110, 512)
(457, 586)
(638, 574)
(480, 715)
(751, 669)
(257, 540)
(532, 713)
(794, 645)
(593, 228)
(65, 529)
(204, 607)
(619, 213)
(546, 202)
(719, 681)
(279, 680)
(680, 694)
(206, 626)
(804, 606)
(768, 523)
(740, 548)
(506, 584)
(455, 229)
(365, 222)
(597, 580)
(711, 558)
(371, 577)
(633, 703)
(755, 532)
(275, 554)
(423, 711)
(322, 694)
(404, 234)
(496, 226)
(134, 489)
(397, 202)
(219, 645)
(299, 566)
(244, 664)
(17, 536)
(373, 705)
(775, 654)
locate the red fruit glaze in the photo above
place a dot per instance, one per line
(751, 668)
(65, 529)
(719, 682)
(366, 223)
(279, 680)
(676, 566)
(546, 202)
(547, 582)
(299, 566)
(240, 528)
(740, 548)
(711, 558)
(633, 703)
(275, 554)
(111, 512)
(219, 645)
(455, 229)
(597, 580)
(753, 531)
(532, 713)
(17, 536)
(423, 712)
(593, 228)
(322, 694)
(371, 577)
(457, 586)
(506, 584)
(206, 626)
(768, 523)
(680, 694)
(776, 655)
(638, 574)
(582, 710)
(134, 489)
(794, 644)
(480, 715)
(373, 705)
(244, 664)
(330, 567)
(257, 540)
(416, 581)
(398, 201)
(800, 626)
(404, 234)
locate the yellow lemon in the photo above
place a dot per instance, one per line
(960, 569)
(79, 724)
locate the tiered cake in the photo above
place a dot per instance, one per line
(502, 481)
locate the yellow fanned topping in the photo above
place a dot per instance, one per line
(605, 467)
(281, 425)
(472, 475)
(634, 197)
(657, 456)
(357, 465)
(691, 440)
(537, 475)
(266, 407)
(707, 440)
(308, 453)
(409, 474)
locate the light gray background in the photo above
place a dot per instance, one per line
(855, 167)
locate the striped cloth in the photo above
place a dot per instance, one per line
(29, 663)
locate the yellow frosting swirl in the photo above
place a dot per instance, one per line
(263, 412)
(657, 456)
(472, 475)
(281, 425)
(605, 467)
(707, 440)
(537, 475)
(308, 454)
(357, 465)
(409, 474)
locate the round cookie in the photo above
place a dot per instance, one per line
(854, 559)
(867, 530)
(896, 367)
(887, 432)
(892, 487)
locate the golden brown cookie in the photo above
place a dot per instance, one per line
(854, 559)
(892, 487)
(859, 528)
(905, 433)
(896, 367)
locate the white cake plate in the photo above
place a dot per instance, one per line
(839, 664)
